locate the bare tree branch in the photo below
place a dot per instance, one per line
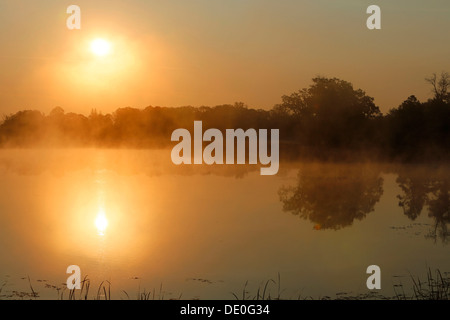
(440, 86)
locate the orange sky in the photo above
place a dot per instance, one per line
(202, 52)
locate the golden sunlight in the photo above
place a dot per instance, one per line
(101, 222)
(100, 47)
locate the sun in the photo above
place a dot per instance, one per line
(100, 47)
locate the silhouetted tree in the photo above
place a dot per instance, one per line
(417, 129)
(24, 128)
(56, 112)
(101, 128)
(331, 113)
(406, 126)
(440, 86)
(76, 130)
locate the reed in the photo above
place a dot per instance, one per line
(263, 292)
(436, 286)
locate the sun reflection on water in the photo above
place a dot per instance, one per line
(101, 222)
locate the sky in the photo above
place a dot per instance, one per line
(205, 53)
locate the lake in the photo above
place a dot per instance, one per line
(134, 219)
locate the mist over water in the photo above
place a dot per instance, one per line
(204, 231)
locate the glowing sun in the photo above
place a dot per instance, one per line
(100, 47)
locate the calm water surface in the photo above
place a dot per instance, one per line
(204, 231)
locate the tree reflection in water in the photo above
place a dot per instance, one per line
(427, 188)
(332, 196)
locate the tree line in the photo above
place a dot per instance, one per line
(330, 118)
